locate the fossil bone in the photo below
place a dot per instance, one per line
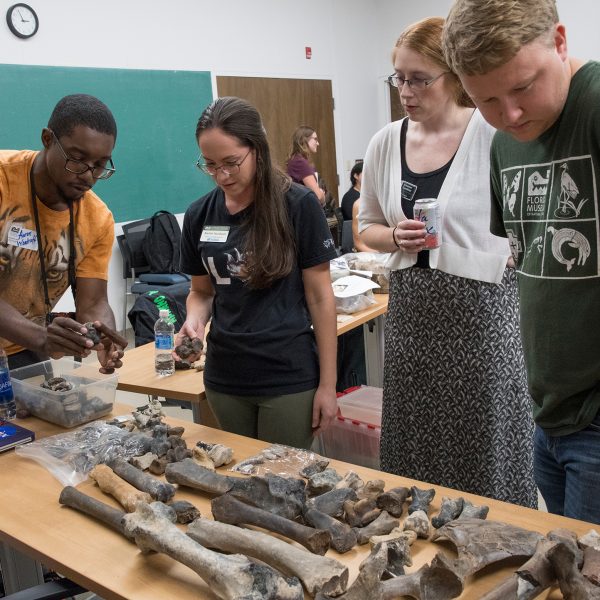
(159, 490)
(200, 455)
(590, 539)
(382, 525)
(143, 462)
(450, 509)
(350, 480)
(421, 499)
(186, 512)
(394, 534)
(361, 513)
(316, 466)
(279, 495)
(471, 511)
(332, 503)
(343, 537)
(315, 572)
(218, 453)
(393, 500)
(372, 489)
(322, 482)
(108, 515)
(418, 522)
(125, 494)
(573, 584)
(229, 509)
(591, 565)
(229, 577)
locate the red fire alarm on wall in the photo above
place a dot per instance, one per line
(308, 50)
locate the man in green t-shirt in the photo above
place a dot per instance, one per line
(512, 60)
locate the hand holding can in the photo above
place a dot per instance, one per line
(427, 211)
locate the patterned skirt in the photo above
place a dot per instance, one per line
(456, 410)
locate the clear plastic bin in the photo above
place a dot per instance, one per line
(362, 404)
(92, 396)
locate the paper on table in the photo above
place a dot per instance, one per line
(352, 285)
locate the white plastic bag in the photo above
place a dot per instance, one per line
(353, 293)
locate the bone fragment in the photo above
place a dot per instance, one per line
(159, 490)
(573, 584)
(421, 499)
(361, 512)
(382, 525)
(591, 565)
(108, 515)
(372, 489)
(200, 455)
(178, 431)
(124, 493)
(343, 537)
(315, 572)
(229, 577)
(279, 495)
(590, 539)
(186, 512)
(314, 467)
(450, 509)
(158, 466)
(418, 522)
(471, 511)
(332, 503)
(350, 480)
(218, 453)
(322, 482)
(143, 462)
(229, 509)
(393, 500)
(395, 534)
(164, 511)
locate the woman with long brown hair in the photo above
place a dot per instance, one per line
(299, 166)
(258, 249)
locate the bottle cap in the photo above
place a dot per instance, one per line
(163, 313)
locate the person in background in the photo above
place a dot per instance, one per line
(299, 167)
(512, 59)
(456, 411)
(55, 233)
(353, 194)
(258, 249)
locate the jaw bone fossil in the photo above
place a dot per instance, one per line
(229, 509)
(279, 495)
(230, 577)
(315, 572)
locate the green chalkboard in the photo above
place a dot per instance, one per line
(156, 114)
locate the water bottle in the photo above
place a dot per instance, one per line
(8, 408)
(164, 342)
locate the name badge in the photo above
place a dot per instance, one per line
(408, 191)
(22, 238)
(214, 233)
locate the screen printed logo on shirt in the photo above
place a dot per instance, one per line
(551, 218)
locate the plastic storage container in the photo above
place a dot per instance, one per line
(355, 433)
(92, 395)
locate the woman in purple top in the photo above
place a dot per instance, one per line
(304, 143)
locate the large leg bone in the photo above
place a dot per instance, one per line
(228, 509)
(108, 515)
(332, 503)
(229, 577)
(125, 494)
(573, 584)
(159, 490)
(315, 572)
(480, 543)
(343, 537)
(382, 525)
(279, 495)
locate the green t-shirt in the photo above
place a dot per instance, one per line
(545, 201)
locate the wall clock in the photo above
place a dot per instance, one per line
(22, 20)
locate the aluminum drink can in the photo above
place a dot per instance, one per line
(427, 210)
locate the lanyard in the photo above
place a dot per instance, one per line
(71, 268)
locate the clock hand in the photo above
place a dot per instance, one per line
(22, 19)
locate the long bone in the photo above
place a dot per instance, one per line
(229, 577)
(125, 494)
(315, 572)
(229, 509)
(383, 524)
(573, 584)
(343, 537)
(108, 515)
(159, 490)
(275, 494)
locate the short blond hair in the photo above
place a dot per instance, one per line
(425, 38)
(481, 35)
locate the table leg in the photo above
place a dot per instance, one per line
(19, 571)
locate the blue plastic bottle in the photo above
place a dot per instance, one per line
(8, 408)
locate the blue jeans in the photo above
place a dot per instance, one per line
(567, 472)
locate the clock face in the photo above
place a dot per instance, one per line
(22, 20)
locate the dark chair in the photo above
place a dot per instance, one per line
(347, 244)
(136, 271)
(52, 590)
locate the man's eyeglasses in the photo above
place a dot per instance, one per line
(232, 168)
(79, 167)
(415, 84)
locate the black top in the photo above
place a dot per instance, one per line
(260, 342)
(419, 185)
(348, 200)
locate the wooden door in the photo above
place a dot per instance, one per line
(397, 112)
(284, 104)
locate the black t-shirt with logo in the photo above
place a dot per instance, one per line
(260, 342)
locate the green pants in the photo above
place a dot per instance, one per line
(277, 419)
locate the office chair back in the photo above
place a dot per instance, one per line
(347, 239)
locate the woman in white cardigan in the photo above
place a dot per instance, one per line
(456, 411)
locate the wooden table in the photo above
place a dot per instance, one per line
(137, 373)
(106, 563)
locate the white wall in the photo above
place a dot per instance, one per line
(351, 42)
